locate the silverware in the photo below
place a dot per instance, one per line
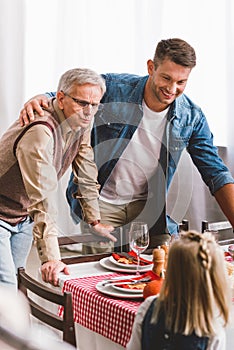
(126, 281)
(142, 280)
(119, 278)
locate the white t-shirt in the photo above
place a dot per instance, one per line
(128, 180)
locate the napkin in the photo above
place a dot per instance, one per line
(228, 257)
(143, 262)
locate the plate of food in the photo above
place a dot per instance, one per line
(129, 261)
(108, 264)
(111, 291)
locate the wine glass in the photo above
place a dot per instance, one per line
(138, 239)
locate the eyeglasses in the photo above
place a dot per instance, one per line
(82, 103)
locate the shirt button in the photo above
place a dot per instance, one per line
(166, 336)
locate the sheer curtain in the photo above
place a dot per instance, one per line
(12, 82)
(41, 39)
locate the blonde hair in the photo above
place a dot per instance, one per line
(195, 286)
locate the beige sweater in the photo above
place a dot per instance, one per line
(32, 160)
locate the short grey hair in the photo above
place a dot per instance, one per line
(80, 76)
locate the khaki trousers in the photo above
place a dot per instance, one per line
(118, 216)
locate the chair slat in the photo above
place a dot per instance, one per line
(65, 323)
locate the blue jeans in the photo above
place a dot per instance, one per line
(15, 244)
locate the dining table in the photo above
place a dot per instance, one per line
(103, 316)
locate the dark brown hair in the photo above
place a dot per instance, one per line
(176, 50)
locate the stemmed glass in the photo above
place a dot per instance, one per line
(138, 239)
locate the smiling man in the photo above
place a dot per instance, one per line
(33, 159)
(138, 139)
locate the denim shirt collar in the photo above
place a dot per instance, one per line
(137, 94)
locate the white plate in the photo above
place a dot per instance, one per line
(128, 266)
(126, 290)
(105, 262)
(109, 290)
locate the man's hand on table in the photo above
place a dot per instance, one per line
(103, 230)
(34, 104)
(50, 271)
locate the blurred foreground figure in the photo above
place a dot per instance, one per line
(16, 331)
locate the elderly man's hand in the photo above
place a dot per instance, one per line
(34, 104)
(50, 271)
(103, 230)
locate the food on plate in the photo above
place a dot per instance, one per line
(130, 258)
(125, 261)
(138, 286)
(152, 288)
(230, 268)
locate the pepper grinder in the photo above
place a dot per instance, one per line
(159, 261)
(165, 247)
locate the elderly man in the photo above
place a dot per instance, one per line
(33, 159)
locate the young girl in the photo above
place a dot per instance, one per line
(192, 309)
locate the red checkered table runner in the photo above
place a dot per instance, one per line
(109, 316)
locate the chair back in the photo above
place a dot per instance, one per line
(65, 323)
(224, 228)
(82, 238)
(184, 225)
(216, 226)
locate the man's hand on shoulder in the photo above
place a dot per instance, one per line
(50, 271)
(34, 104)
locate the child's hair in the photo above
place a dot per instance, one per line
(196, 289)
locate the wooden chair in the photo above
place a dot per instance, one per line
(30, 287)
(224, 228)
(184, 225)
(119, 246)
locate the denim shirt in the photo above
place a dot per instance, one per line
(187, 128)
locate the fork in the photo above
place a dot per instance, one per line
(126, 281)
(144, 279)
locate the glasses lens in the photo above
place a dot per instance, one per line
(81, 103)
